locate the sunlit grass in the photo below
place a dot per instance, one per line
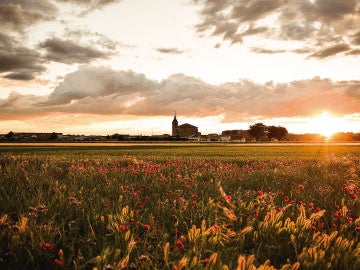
(180, 207)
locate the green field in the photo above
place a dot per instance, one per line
(179, 206)
(191, 150)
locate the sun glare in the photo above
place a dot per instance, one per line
(325, 124)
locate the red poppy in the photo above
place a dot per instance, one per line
(311, 206)
(179, 244)
(58, 262)
(48, 246)
(122, 228)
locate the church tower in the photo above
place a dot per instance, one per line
(175, 126)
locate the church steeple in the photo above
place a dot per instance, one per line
(174, 126)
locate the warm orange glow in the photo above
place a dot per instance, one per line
(326, 124)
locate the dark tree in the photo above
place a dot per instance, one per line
(257, 131)
(9, 135)
(278, 133)
(53, 136)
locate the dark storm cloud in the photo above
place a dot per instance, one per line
(316, 23)
(69, 52)
(104, 91)
(169, 50)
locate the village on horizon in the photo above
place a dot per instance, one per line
(257, 132)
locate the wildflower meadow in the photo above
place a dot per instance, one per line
(180, 207)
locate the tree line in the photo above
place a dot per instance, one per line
(262, 132)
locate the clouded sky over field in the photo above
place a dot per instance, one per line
(125, 66)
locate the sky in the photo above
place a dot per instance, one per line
(125, 66)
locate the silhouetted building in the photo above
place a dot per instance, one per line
(184, 130)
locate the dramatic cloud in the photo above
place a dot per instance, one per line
(16, 62)
(18, 15)
(103, 91)
(21, 76)
(315, 23)
(67, 51)
(20, 61)
(91, 82)
(19, 107)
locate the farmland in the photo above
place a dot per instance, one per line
(179, 206)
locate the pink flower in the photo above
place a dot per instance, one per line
(146, 227)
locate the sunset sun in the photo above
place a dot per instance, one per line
(326, 124)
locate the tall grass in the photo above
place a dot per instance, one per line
(179, 211)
